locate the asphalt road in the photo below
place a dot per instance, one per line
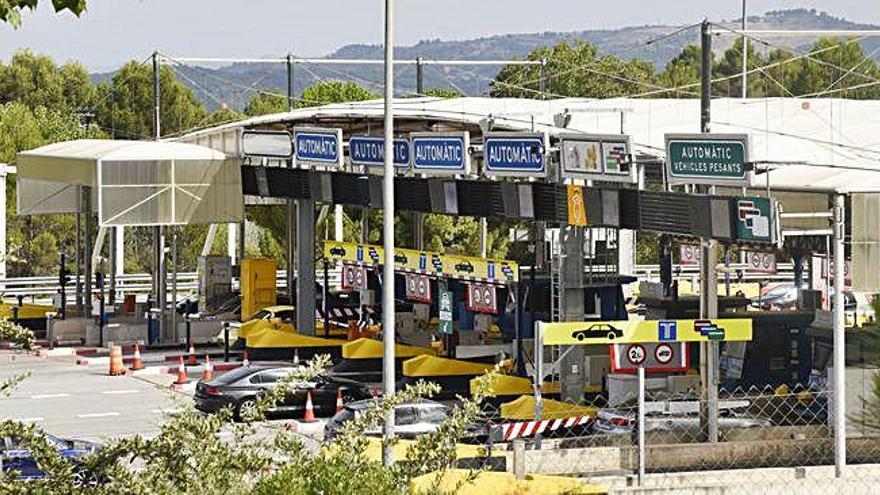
(83, 401)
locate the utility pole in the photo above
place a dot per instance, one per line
(745, 53)
(291, 204)
(388, 371)
(160, 271)
(708, 275)
(418, 218)
(839, 343)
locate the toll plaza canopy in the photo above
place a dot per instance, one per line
(131, 182)
(810, 145)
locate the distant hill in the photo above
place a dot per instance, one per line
(228, 83)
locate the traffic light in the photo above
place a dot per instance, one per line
(63, 274)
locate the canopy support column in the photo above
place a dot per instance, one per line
(305, 263)
(839, 359)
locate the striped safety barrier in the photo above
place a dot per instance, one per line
(523, 429)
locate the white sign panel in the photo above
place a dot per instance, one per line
(655, 357)
(268, 144)
(598, 157)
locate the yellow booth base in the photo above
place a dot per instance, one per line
(523, 409)
(495, 483)
(373, 349)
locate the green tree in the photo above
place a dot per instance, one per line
(266, 102)
(574, 69)
(35, 80)
(124, 103)
(10, 10)
(325, 92)
(442, 93)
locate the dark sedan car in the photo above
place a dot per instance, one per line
(241, 387)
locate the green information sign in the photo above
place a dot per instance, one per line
(707, 158)
(445, 311)
(755, 219)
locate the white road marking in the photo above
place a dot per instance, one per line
(49, 396)
(120, 392)
(97, 415)
(28, 420)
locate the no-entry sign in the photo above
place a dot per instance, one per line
(662, 357)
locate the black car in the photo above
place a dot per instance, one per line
(465, 266)
(337, 251)
(240, 388)
(597, 331)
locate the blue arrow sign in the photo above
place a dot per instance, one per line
(443, 154)
(514, 155)
(370, 151)
(317, 146)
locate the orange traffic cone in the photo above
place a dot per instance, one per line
(309, 416)
(137, 364)
(116, 366)
(191, 360)
(338, 400)
(244, 362)
(181, 373)
(208, 374)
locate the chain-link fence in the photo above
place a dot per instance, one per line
(769, 440)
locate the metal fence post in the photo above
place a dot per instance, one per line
(641, 423)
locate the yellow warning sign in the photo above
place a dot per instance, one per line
(577, 211)
(631, 331)
(426, 262)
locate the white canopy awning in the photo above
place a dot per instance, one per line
(133, 182)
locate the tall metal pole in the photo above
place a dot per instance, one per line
(420, 82)
(291, 204)
(542, 84)
(418, 218)
(388, 377)
(640, 374)
(745, 52)
(708, 276)
(161, 274)
(839, 360)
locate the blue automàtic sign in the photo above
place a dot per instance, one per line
(440, 153)
(369, 151)
(317, 146)
(667, 330)
(515, 154)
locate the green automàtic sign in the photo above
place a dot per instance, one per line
(715, 159)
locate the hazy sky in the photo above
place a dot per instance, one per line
(113, 31)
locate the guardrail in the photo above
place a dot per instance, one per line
(141, 283)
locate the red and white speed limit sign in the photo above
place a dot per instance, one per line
(663, 353)
(636, 354)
